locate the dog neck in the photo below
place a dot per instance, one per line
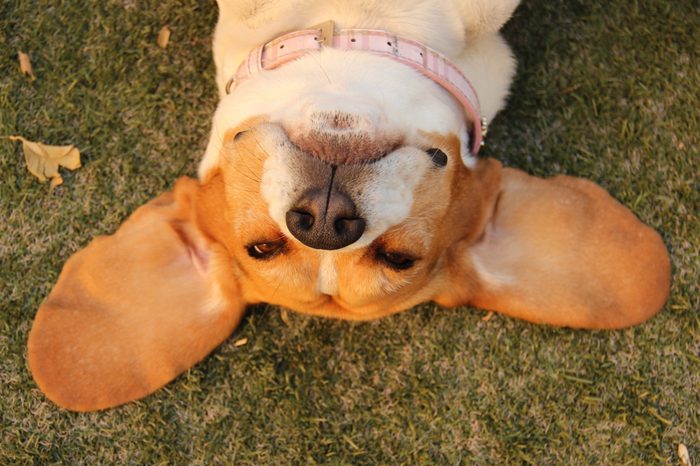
(420, 57)
(380, 93)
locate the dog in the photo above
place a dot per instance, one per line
(342, 180)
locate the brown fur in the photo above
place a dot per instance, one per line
(133, 310)
(128, 313)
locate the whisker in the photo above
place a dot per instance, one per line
(320, 65)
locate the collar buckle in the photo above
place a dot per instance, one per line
(326, 32)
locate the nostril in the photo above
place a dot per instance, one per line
(303, 219)
(349, 226)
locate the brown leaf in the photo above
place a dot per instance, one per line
(163, 37)
(43, 160)
(285, 317)
(240, 342)
(25, 64)
(683, 455)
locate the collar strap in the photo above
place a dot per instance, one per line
(427, 61)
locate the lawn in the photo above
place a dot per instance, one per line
(605, 90)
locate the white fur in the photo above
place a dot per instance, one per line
(392, 97)
(463, 30)
(278, 183)
(402, 101)
(327, 275)
(388, 197)
(449, 26)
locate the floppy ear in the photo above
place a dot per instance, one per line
(562, 251)
(133, 310)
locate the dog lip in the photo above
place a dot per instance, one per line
(332, 302)
(339, 138)
(346, 148)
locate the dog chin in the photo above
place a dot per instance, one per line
(383, 96)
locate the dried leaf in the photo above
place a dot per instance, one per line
(43, 160)
(284, 315)
(25, 64)
(240, 342)
(163, 37)
(683, 455)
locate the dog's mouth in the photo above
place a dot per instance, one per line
(339, 138)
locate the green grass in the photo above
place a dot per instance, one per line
(605, 90)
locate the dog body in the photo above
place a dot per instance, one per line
(341, 184)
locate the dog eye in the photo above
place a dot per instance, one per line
(239, 134)
(396, 260)
(438, 157)
(265, 250)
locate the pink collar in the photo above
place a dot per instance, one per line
(427, 61)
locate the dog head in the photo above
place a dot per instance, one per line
(354, 240)
(333, 197)
(357, 185)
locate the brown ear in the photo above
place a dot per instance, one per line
(562, 251)
(133, 310)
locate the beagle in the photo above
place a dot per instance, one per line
(341, 180)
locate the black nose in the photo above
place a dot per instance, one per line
(325, 220)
